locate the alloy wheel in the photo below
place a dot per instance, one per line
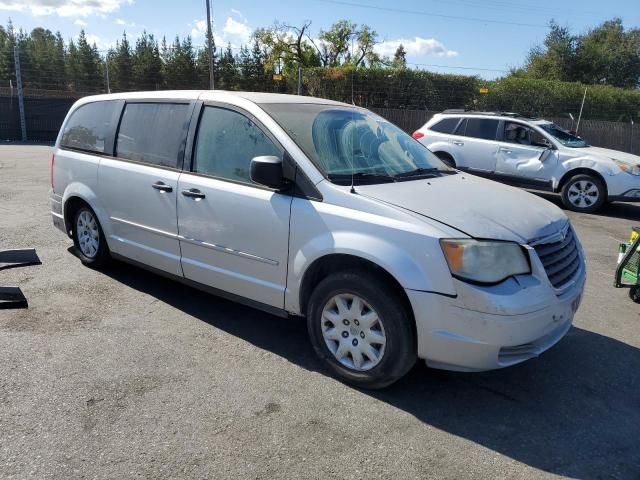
(583, 194)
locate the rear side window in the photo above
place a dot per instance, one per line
(461, 127)
(153, 133)
(482, 128)
(226, 143)
(89, 126)
(445, 126)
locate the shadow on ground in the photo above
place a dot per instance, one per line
(575, 411)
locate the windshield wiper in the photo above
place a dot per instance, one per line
(360, 176)
(424, 172)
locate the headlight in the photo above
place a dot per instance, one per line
(627, 167)
(484, 261)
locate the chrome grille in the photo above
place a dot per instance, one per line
(561, 259)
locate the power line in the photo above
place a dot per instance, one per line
(429, 14)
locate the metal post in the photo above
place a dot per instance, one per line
(106, 63)
(23, 123)
(299, 80)
(210, 46)
(631, 142)
(581, 107)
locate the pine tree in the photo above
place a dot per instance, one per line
(147, 65)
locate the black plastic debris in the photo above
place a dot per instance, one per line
(12, 297)
(18, 258)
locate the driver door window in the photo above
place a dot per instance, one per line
(520, 134)
(227, 141)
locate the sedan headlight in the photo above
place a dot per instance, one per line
(627, 167)
(484, 261)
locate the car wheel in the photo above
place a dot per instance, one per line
(360, 329)
(634, 294)
(446, 159)
(584, 193)
(88, 239)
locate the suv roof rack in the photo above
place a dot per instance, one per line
(497, 114)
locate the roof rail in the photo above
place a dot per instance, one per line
(497, 114)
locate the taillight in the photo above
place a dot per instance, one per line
(53, 159)
(417, 135)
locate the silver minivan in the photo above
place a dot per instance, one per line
(313, 208)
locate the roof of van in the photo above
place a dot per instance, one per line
(255, 97)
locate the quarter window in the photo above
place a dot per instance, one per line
(89, 127)
(227, 141)
(445, 126)
(153, 133)
(482, 128)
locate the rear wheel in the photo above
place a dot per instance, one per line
(360, 329)
(584, 193)
(89, 238)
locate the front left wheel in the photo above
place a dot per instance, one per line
(361, 329)
(89, 240)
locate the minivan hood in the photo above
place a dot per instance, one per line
(608, 153)
(475, 206)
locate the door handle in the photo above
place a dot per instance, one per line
(193, 193)
(460, 144)
(505, 150)
(163, 187)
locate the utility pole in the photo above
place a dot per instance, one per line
(106, 63)
(210, 46)
(23, 123)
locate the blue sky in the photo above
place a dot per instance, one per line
(483, 37)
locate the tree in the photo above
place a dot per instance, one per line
(121, 66)
(400, 57)
(336, 43)
(608, 54)
(147, 66)
(91, 64)
(287, 47)
(180, 64)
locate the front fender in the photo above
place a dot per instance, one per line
(426, 271)
(598, 166)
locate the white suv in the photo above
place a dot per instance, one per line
(535, 154)
(312, 208)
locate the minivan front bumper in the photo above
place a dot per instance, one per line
(485, 328)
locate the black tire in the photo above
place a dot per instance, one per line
(634, 294)
(446, 159)
(589, 203)
(400, 349)
(102, 256)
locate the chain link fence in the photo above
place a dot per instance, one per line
(408, 98)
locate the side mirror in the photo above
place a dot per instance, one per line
(267, 170)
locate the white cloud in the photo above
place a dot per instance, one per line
(234, 32)
(120, 21)
(80, 22)
(237, 31)
(416, 46)
(239, 14)
(199, 29)
(64, 8)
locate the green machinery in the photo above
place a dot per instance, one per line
(628, 270)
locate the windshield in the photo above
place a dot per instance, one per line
(565, 138)
(346, 141)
